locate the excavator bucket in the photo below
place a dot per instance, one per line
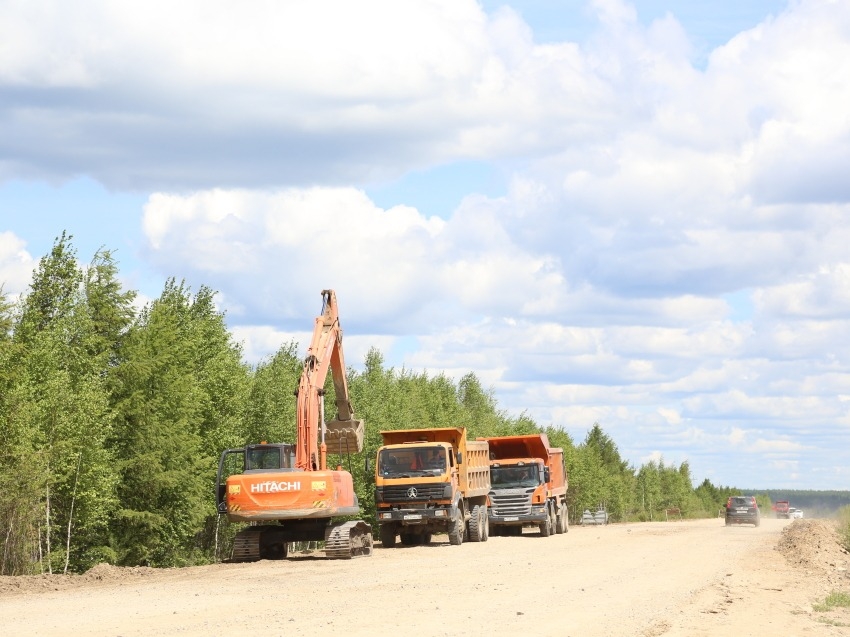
(344, 436)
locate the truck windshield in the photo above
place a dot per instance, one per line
(514, 476)
(412, 461)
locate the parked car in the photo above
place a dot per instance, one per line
(797, 513)
(742, 509)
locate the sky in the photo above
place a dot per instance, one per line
(635, 214)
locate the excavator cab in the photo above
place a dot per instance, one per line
(267, 457)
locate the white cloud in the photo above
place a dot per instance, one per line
(16, 265)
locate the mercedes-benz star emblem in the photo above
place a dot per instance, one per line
(412, 492)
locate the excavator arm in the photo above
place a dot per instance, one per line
(316, 437)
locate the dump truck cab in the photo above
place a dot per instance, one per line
(521, 481)
(431, 480)
(414, 460)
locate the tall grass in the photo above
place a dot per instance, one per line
(844, 527)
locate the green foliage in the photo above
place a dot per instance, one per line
(836, 599)
(844, 527)
(7, 318)
(180, 403)
(764, 503)
(57, 418)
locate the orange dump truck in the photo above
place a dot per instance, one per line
(431, 481)
(529, 485)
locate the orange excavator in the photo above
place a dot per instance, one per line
(285, 491)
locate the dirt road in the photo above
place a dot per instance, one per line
(667, 578)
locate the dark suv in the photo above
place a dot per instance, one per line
(742, 509)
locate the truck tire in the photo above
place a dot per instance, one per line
(476, 530)
(546, 527)
(456, 531)
(559, 521)
(485, 524)
(426, 539)
(387, 532)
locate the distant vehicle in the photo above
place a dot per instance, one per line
(797, 514)
(782, 509)
(742, 509)
(600, 517)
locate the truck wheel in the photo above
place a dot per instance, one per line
(560, 521)
(426, 538)
(387, 535)
(546, 527)
(456, 532)
(485, 524)
(475, 530)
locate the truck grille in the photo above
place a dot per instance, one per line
(424, 492)
(511, 502)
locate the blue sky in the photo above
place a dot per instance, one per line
(635, 214)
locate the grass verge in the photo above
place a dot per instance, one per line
(836, 599)
(844, 527)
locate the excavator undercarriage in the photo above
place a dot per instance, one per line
(343, 540)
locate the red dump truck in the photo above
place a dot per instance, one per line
(529, 485)
(782, 509)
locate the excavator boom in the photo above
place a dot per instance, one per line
(343, 434)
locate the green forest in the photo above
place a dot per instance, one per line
(112, 420)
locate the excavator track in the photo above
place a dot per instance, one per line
(246, 545)
(348, 539)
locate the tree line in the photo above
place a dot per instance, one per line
(112, 420)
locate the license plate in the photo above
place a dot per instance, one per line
(512, 519)
(742, 509)
(412, 517)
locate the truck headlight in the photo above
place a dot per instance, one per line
(440, 513)
(385, 516)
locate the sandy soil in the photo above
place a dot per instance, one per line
(663, 578)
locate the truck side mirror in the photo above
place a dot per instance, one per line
(460, 457)
(546, 474)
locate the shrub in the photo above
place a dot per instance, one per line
(844, 527)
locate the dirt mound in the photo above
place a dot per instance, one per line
(111, 573)
(813, 545)
(58, 582)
